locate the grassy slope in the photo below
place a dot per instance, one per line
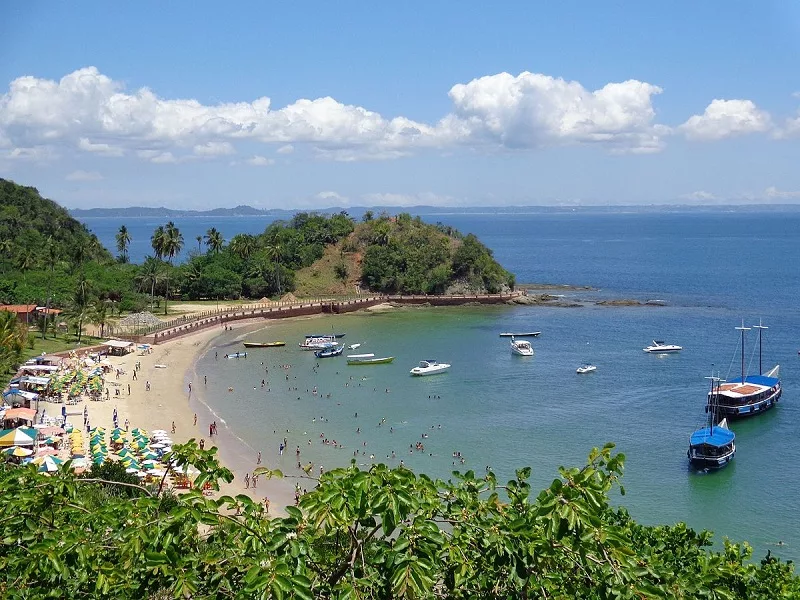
(320, 278)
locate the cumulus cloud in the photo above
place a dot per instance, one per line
(90, 110)
(726, 118)
(214, 149)
(700, 195)
(34, 153)
(774, 193)
(331, 195)
(103, 149)
(260, 161)
(84, 176)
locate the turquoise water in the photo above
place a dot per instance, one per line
(507, 412)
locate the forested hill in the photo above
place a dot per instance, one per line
(35, 231)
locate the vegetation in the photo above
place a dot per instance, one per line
(380, 533)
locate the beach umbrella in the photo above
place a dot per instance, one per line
(149, 456)
(131, 470)
(158, 445)
(124, 453)
(52, 440)
(150, 464)
(48, 464)
(18, 437)
(137, 431)
(17, 451)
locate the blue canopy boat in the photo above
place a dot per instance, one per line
(713, 446)
(329, 352)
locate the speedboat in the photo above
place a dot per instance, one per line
(354, 346)
(521, 347)
(237, 355)
(429, 367)
(329, 352)
(661, 347)
(585, 368)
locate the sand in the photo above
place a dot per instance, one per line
(169, 401)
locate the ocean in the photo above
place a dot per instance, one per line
(712, 270)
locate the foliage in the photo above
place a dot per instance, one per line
(381, 533)
(13, 337)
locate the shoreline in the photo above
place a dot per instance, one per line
(169, 401)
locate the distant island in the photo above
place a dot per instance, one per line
(244, 210)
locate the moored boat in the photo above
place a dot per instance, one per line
(750, 395)
(237, 355)
(524, 334)
(429, 367)
(320, 335)
(329, 352)
(368, 359)
(712, 446)
(318, 343)
(661, 347)
(586, 368)
(521, 347)
(263, 344)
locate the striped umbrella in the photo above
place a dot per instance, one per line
(17, 451)
(48, 464)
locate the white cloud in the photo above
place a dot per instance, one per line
(214, 149)
(534, 110)
(84, 176)
(497, 111)
(700, 195)
(34, 153)
(157, 156)
(774, 193)
(330, 195)
(103, 149)
(422, 198)
(726, 118)
(260, 161)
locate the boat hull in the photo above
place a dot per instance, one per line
(422, 373)
(263, 344)
(700, 461)
(370, 361)
(750, 409)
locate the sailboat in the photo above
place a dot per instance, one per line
(712, 446)
(750, 395)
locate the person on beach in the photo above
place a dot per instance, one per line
(173, 427)
(147, 386)
(195, 419)
(258, 460)
(266, 504)
(202, 443)
(254, 479)
(190, 387)
(247, 480)
(205, 380)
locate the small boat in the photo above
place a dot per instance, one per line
(263, 344)
(521, 347)
(713, 446)
(318, 343)
(329, 352)
(237, 355)
(429, 367)
(368, 359)
(320, 335)
(160, 366)
(749, 395)
(525, 334)
(353, 346)
(585, 368)
(661, 347)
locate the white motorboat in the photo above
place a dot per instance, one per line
(429, 367)
(661, 347)
(354, 346)
(585, 368)
(521, 347)
(318, 343)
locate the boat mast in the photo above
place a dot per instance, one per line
(712, 414)
(743, 329)
(761, 329)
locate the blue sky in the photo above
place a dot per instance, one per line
(303, 105)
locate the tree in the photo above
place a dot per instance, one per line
(98, 314)
(158, 242)
(123, 238)
(150, 275)
(80, 304)
(243, 246)
(173, 244)
(376, 533)
(199, 240)
(13, 336)
(275, 252)
(214, 240)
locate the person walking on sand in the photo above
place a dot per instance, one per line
(266, 504)
(247, 480)
(129, 389)
(258, 460)
(147, 386)
(254, 479)
(195, 419)
(173, 427)
(190, 387)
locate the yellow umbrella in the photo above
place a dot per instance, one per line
(17, 451)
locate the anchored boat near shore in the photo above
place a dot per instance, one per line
(712, 446)
(263, 344)
(524, 334)
(368, 359)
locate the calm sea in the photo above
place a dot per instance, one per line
(502, 411)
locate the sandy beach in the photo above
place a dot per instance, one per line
(169, 401)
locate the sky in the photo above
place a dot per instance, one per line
(318, 104)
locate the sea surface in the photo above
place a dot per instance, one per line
(712, 270)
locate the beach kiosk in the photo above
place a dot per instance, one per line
(119, 347)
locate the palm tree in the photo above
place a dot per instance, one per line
(52, 259)
(79, 306)
(151, 274)
(123, 241)
(243, 246)
(173, 244)
(99, 315)
(157, 241)
(199, 239)
(13, 336)
(5, 250)
(26, 260)
(214, 240)
(275, 252)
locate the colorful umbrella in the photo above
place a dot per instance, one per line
(48, 464)
(20, 436)
(17, 451)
